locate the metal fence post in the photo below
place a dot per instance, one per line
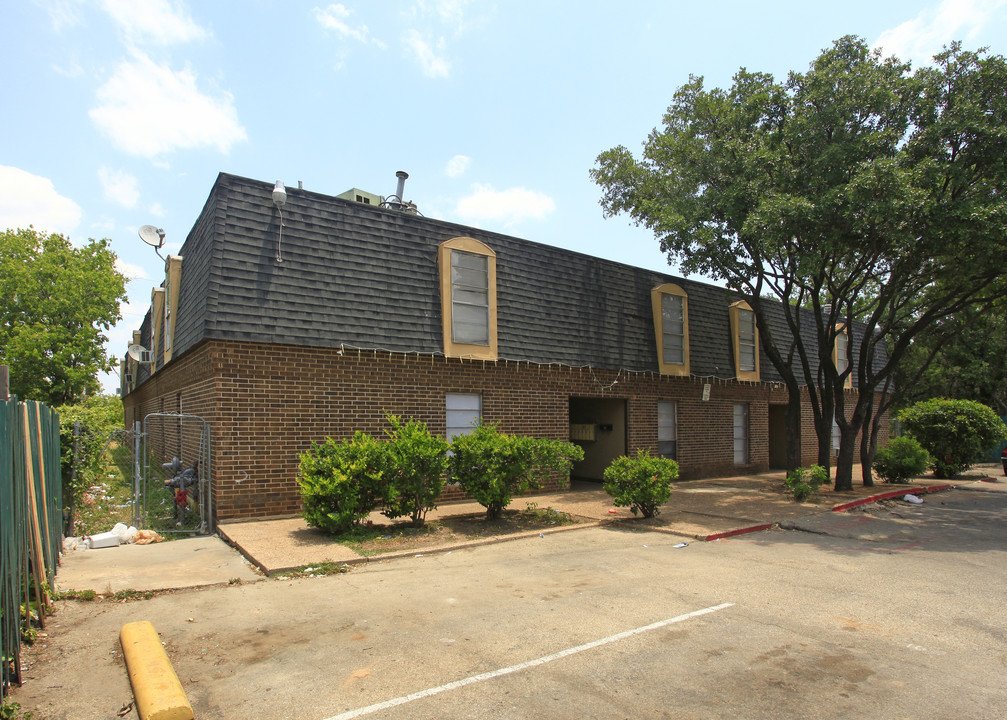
(136, 473)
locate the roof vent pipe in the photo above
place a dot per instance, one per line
(401, 175)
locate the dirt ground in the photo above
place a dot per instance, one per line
(377, 539)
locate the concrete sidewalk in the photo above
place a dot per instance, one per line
(698, 509)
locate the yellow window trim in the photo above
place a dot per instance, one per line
(451, 348)
(655, 303)
(172, 277)
(841, 330)
(157, 320)
(746, 375)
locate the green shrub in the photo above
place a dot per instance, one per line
(901, 459)
(954, 432)
(98, 416)
(642, 483)
(415, 464)
(341, 482)
(803, 482)
(493, 467)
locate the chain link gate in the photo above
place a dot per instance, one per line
(172, 470)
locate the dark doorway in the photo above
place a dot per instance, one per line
(599, 426)
(778, 437)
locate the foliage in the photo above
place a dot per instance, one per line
(532, 513)
(954, 432)
(803, 482)
(341, 482)
(98, 416)
(57, 302)
(493, 467)
(10, 710)
(901, 459)
(964, 357)
(642, 483)
(856, 192)
(415, 463)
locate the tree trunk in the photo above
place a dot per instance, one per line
(794, 449)
(844, 461)
(867, 438)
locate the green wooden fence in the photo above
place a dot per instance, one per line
(31, 513)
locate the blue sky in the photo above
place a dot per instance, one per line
(119, 113)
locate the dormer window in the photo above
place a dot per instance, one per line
(468, 298)
(470, 306)
(841, 354)
(670, 306)
(745, 339)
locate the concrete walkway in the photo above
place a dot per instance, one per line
(186, 563)
(698, 509)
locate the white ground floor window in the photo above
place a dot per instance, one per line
(463, 411)
(741, 434)
(667, 430)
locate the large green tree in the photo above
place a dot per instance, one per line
(57, 302)
(857, 193)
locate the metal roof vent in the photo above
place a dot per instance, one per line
(395, 202)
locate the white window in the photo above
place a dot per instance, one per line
(746, 340)
(835, 438)
(667, 430)
(673, 328)
(842, 361)
(463, 413)
(469, 298)
(741, 434)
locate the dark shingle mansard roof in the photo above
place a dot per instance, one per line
(367, 277)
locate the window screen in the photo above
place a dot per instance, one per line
(463, 413)
(469, 298)
(746, 340)
(741, 434)
(667, 430)
(673, 328)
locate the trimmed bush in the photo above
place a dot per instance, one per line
(642, 483)
(415, 464)
(954, 432)
(902, 458)
(493, 467)
(341, 482)
(803, 482)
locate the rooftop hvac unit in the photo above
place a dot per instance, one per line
(360, 196)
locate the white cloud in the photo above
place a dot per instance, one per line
(27, 199)
(335, 17)
(156, 209)
(510, 206)
(430, 56)
(72, 70)
(153, 21)
(119, 186)
(149, 110)
(132, 272)
(62, 13)
(457, 166)
(925, 35)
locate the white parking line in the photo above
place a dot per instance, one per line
(522, 666)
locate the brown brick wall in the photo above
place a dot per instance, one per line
(267, 403)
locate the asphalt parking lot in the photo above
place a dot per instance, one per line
(900, 615)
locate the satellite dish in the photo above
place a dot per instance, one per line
(152, 236)
(140, 354)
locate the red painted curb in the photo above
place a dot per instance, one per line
(891, 494)
(740, 531)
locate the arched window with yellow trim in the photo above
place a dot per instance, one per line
(468, 298)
